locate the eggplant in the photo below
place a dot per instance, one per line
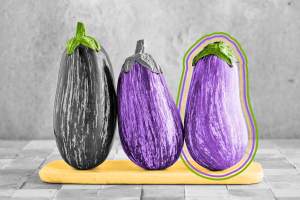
(215, 129)
(150, 127)
(85, 108)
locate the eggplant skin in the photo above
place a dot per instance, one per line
(215, 128)
(150, 127)
(85, 108)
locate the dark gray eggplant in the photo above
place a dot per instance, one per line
(85, 109)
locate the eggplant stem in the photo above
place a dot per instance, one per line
(81, 39)
(140, 48)
(80, 30)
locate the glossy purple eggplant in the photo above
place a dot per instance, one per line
(215, 128)
(85, 109)
(150, 127)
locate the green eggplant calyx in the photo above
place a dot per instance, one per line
(81, 39)
(220, 49)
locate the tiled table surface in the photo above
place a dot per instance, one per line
(21, 160)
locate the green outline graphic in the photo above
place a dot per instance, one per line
(248, 103)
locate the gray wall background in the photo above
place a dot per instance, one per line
(33, 34)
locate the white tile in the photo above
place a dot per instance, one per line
(287, 193)
(191, 191)
(6, 192)
(287, 143)
(25, 163)
(75, 194)
(284, 186)
(119, 194)
(163, 194)
(128, 187)
(291, 171)
(5, 162)
(290, 151)
(262, 185)
(205, 187)
(43, 193)
(163, 187)
(284, 178)
(268, 151)
(40, 144)
(259, 194)
(227, 197)
(78, 187)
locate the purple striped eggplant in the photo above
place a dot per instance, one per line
(215, 128)
(150, 127)
(85, 107)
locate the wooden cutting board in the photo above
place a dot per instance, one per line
(126, 172)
